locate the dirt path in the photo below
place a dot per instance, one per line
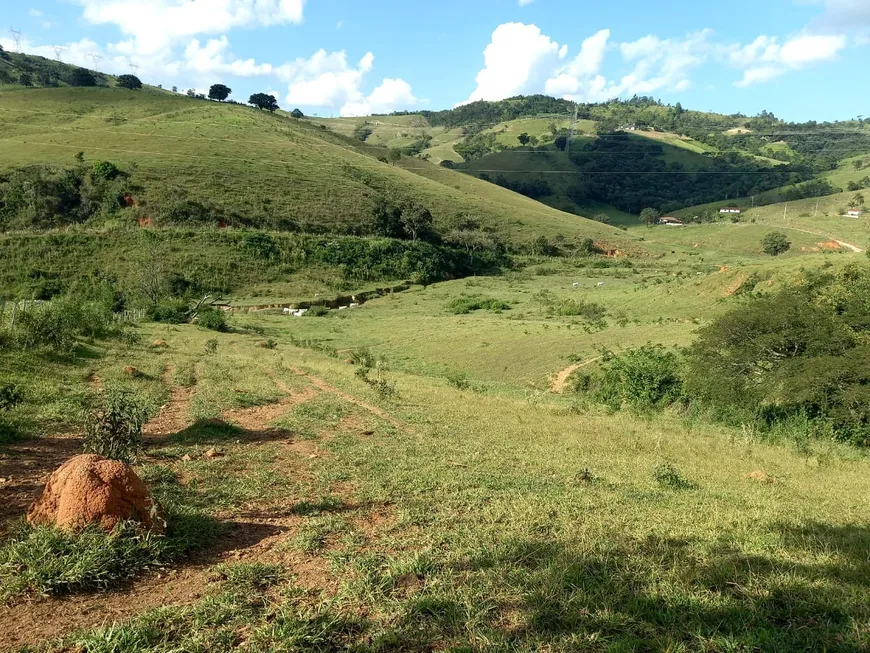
(841, 243)
(173, 416)
(326, 387)
(561, 379)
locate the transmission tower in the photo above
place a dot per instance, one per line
(134, 67)
(16, 36)
(58, 50)
(573, 126)
(96, 58)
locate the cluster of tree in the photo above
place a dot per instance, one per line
(632, 173)
(861, 184)
(405, 220)
(46, 197)
(267, 102)
(534, 188)
(130, 82)
(363, 131)
(483, 112)
(797, 360)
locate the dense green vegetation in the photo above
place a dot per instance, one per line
(31, 70)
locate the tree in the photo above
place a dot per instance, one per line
(775, 243)
(25, 80)
(561, 143)
(219, 92)
(472, 240)
(81, 77)
(264, 101)
(297, 114)
(856, 201)
(362, 132)
(416, 220)
(858, 164)
(387, 218)
(130, 82)
(650, 216)
(523, 138)
(533, 140)
(175, 89)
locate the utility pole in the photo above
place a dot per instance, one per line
(16, 36)
(58, 50)
(571, 131)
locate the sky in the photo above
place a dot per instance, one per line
(800, 59)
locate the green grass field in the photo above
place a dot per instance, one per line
(250, 162)
(473, 507)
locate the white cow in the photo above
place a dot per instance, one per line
(599, 284)
(287, 311)
(575, 285)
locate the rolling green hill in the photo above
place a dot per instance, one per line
(250, 167)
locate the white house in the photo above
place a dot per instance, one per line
(671, 222)
(729, 209)
(854, 213)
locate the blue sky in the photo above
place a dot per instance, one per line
(801, 59)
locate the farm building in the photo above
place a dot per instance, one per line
(854, 213)
(671, 222)
(729, 209)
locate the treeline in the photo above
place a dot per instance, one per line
(482, 112)
(795, 363)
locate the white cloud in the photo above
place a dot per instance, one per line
(523, 3)
(211, 59)
(518, 60)
(766, 58)
(569, 79)
(36, 13)
(153, 25)
(327, 80)
(843, 15)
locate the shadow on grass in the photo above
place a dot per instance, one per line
(217, 431)
(663, 594)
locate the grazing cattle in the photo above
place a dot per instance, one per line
(575, 285)
(287, 311)
(354, 305)
(599, 284)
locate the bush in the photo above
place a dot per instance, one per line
(213, 319)
(667, 475)
(113, 427)
(590, 311)
(317, 311)
(104, 170)
(170, 311)
(645, 379)
(56, 326)
(775, 243)
(47, 561)
(458, 380)
(464, 305)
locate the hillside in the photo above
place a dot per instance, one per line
(21, 69)
(629, 155)
(244, 166)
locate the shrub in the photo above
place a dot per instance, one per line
(170, 311)
(211, 346)
(104, 170)
(590, 311)
(648, 378)
(458, 380)
(113, 427)
(464, 305)
(213, 319)
(775, 243)
(55, 326)
(667, 475)
(317, 311)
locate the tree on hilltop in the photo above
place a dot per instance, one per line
(264, 101)
(523, 139)
(81, 77)
(296, 113)
(219, 92)
(130, 82)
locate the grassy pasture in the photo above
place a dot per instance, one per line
(500, 517)
(249, 162)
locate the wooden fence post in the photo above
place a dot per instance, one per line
(14, 313)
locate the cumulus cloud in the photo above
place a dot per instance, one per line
(766, 58)
(843, 16)
(326, 79)
(153, 25)
(570, 79)
(214, 58)
(518, 60)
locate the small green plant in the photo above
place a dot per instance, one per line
(667, 475)
(458, 380)
(247, 576)
(113, 427)
(10, 397)
(363, 357)
(211, 346)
